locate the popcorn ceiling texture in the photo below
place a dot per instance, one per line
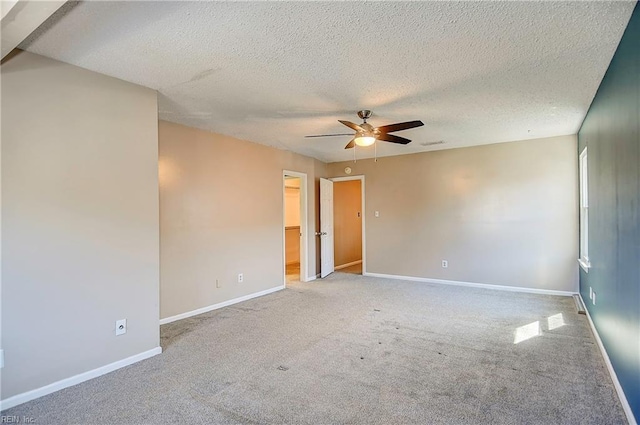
(273, 72)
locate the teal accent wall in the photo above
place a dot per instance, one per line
(611, 131)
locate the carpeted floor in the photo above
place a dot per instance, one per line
(359, 350)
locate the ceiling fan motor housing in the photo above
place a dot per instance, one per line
(369, 130)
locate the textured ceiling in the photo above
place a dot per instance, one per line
(273, 72)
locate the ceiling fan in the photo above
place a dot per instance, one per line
(366, 134)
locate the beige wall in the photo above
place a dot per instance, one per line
(503, 214)
(347, 223)
(211, 229)
(292, 220)
(293, 182)
(292, 206)
(292, 245)
(79, 218)
(1, 346)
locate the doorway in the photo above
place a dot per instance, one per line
(294, 227)
(348, 213)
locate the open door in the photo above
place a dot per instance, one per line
(348, 224)
(326, 228)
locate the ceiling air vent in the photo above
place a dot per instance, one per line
(439, 142)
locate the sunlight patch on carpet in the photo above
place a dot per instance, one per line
(526, 332)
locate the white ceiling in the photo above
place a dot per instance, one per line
(273, 72)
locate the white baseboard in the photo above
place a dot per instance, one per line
(623, 398)
(76, 379)
(474, 285)
(344, 266)
(220, 305)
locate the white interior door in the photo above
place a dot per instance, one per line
(326, 228)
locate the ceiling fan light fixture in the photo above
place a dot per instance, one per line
(365, 140)
(367, 135)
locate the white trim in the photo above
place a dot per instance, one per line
(364, 209)
(584, 264)
(304, 219)
(584, 210)
(474, 285)
(309, 279)
(623, 398)
(344, 266)
(76, 379)
(220, 305)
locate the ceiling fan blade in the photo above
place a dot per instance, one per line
(393, 139)
(351, 144)
(331, 135)
(351, 125)
(399, 126)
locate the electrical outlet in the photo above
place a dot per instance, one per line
(594, 298)
(217, 283)
(377, 213)
(240, 278)
(445, 264)
(121, 327)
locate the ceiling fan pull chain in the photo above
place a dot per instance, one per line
(375, 151)
(354, 153)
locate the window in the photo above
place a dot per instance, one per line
(584, 212)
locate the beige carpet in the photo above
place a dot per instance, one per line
(356, 350)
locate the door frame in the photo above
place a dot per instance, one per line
(362, 205)
(304, 254)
